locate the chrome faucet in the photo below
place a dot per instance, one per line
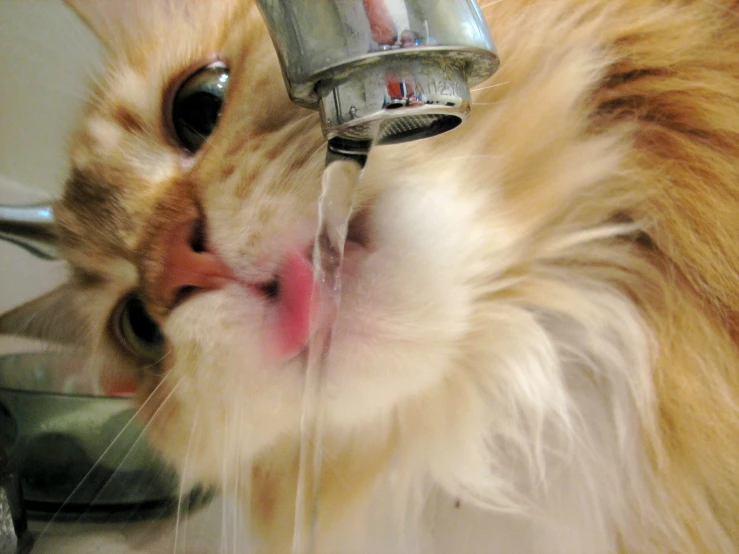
(381, 71)
(378, 71)
(30, 227)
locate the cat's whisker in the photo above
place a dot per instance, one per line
(470, 157)
(107, 450)
(149, 398)
(329, 463)
(142, 432)
(490, 4)
(603, 232)
(490, 86)
(82, 481)
(183, 480)
(224, 481)
(485, 103)
(28, 324)
(198, 133)
(317, 151)
(237, 479)
(306, 115)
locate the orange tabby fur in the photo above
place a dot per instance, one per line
(596, 187)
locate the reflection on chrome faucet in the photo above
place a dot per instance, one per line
(31, 228)
(383, 71)
(383, 28)
(401, 91)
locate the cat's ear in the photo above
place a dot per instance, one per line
(52, 317)
(108, 19)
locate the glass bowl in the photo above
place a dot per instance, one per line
(81, 457)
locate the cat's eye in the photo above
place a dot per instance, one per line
(136, 330)
(196, 105)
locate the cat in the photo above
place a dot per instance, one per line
(538, 344)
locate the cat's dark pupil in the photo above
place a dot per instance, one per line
(196, 107)
(199, 112)
(145, 328)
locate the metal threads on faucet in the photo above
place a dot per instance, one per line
(396, 102)
(382, 71)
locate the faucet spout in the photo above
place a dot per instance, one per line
(31, 228)
(382, 71)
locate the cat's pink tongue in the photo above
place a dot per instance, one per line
(294, 307)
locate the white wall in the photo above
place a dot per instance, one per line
(47, 61)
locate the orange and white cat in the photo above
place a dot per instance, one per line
(538, 345)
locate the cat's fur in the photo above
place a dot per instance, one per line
(540, 351)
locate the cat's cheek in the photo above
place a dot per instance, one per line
(218, 370)
(406, 305)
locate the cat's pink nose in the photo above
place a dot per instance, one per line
(188, 266)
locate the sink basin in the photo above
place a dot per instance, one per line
(81, 457)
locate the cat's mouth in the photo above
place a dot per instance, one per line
(291, 289)
(359, 232)
(287, 295)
